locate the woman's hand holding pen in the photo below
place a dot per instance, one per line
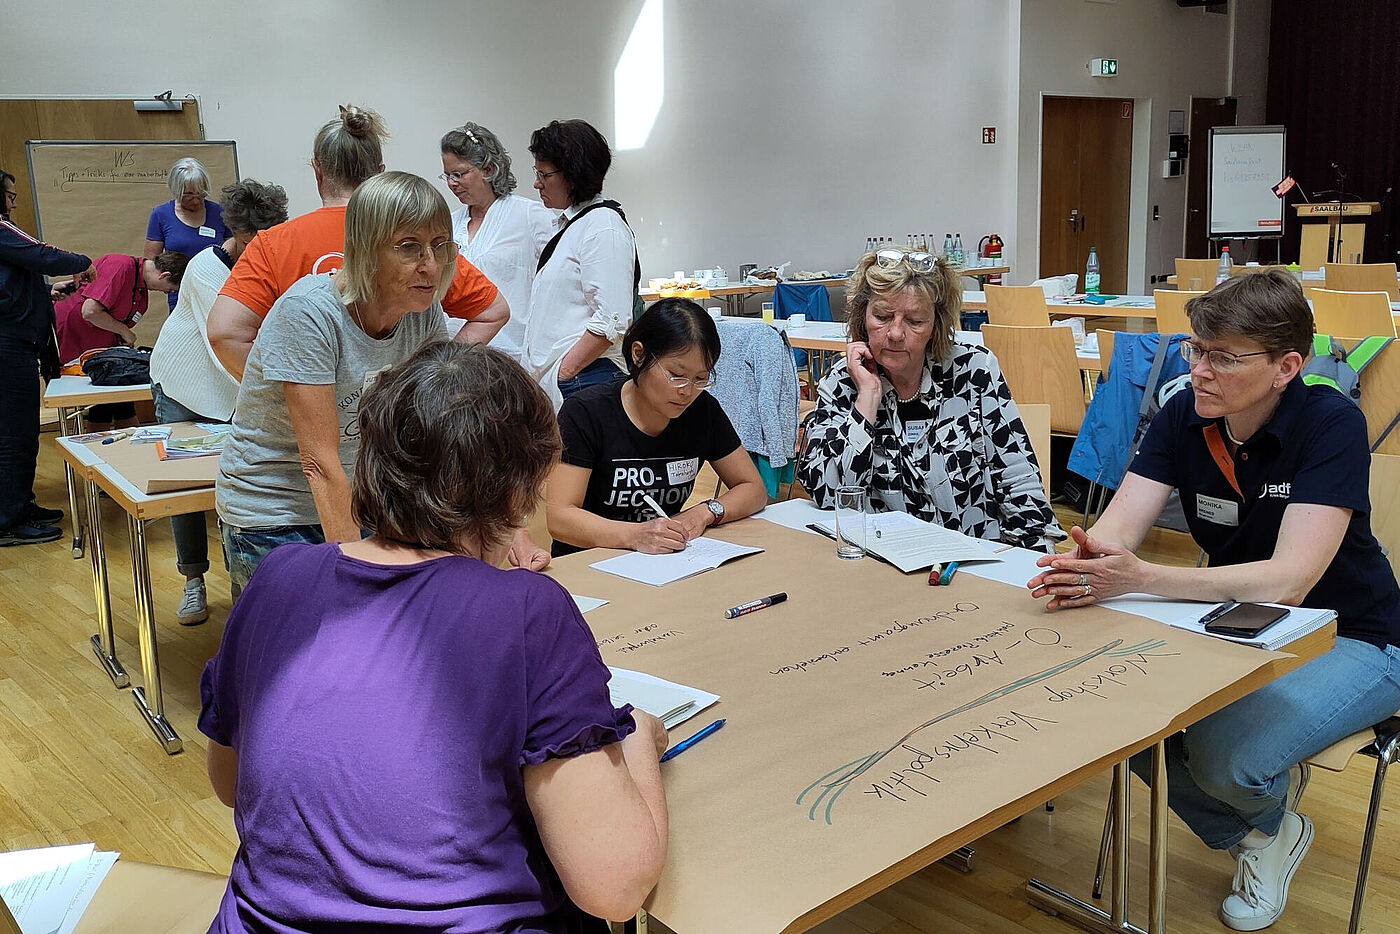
(657, 537)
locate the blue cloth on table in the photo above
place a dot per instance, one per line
(798, 298)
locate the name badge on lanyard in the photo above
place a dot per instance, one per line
(1218, 511)
(914, 431)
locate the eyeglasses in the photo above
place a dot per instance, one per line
(411, 252)
(541, 176)
(1220, 361)
(453, 177)
(680, 382)
(921, 261)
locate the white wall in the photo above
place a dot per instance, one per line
(787, 133)
(1166, 55)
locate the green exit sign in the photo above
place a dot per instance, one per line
(1104, 67)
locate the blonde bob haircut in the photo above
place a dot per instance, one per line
(387, 206)
(938, 288)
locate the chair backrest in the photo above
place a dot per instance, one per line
(1017, 305)
(1036, 417)
(1202, 270)
(1385, 505)
(809, 298)
(1362, 277)
(1352, 314)
(1040, 365)
(1105, 351)
(1171, 310)
(1380, 397)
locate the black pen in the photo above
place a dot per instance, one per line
(741, 609)
(686, 743)
(1219, 611)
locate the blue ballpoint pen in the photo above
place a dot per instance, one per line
(685, 744)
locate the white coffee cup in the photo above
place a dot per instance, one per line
(797, 320)
(715, 313)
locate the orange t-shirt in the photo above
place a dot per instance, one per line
(315, 243)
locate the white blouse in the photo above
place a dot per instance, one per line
(182, 361)
(506, 248)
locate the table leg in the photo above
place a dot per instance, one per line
(1157, 868)
(149, 700)
(960, 859)
(104, 644)
(1090, 917)
(75, 509)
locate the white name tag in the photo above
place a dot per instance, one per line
(1218, 511)
(914, 431)
(678, 472)
(371, 376)
(207, 232)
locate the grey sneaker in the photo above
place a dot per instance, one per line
(1262, 875)
(194, 606)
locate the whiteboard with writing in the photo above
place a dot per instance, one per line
(95, 197)
(1245, 164)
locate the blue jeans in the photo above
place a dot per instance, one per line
(601, 370)
(190, 531)
(1228, 774)
(244, 549)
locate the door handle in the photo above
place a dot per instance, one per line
(1074, 219)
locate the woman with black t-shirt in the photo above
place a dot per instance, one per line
(633, 448)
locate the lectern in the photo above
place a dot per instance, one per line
(1335, 241)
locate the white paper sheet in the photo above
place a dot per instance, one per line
(674, 703)
(587, 603)
(911, 544)
(702, 554)
(48, 888)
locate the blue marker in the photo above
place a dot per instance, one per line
(947, 574)
(685, 744)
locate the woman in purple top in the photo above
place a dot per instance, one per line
(189, 223)
(411, 738)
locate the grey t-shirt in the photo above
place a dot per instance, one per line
(308, 337)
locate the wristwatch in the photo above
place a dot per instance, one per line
(716, 509)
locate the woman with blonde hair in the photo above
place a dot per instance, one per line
(923, 423)
(189, 223)
(285, 471)
(347, 151)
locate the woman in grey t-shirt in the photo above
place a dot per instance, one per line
(284, 474)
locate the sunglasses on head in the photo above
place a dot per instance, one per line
(889, 258)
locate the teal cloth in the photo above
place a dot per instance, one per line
(773, 477)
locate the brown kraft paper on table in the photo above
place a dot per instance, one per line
(871, 715)
(143, 468)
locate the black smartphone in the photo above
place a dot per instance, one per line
(1246, 621)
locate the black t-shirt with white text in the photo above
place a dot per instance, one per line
(626, 463)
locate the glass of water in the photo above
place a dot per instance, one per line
(851, 515)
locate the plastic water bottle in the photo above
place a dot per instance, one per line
(1222, 271)
(957, 249)
(1091, 273)
(947, 248)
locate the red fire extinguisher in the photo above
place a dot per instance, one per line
(990, 248)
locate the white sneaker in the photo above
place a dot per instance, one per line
(194, 606)
(1262, 875)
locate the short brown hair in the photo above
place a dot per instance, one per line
(939, 288)
(1267, 307)
(173, 263)
(455, 442)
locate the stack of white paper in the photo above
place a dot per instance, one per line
(700, 555)
(668, 701)
(48, 889)
(1298, 623)
(911, 544)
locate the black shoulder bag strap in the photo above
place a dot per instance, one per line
(553, 243)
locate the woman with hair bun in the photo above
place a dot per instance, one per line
(500, 232)
(347, 151)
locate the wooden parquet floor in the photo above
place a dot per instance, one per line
(77, 764)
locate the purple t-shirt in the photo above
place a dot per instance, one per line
(181, 237)
(381, 717)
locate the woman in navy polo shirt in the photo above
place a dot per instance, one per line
(1273, 479)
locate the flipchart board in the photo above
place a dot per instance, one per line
(871, 716)
(95, 197)
(1245, 163)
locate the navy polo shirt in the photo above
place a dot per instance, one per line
(1313, 450)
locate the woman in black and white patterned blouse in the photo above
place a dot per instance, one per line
(922, 422)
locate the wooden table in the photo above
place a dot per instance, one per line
(88, 461)
(727, 867)
(735, 295)
(70, 395)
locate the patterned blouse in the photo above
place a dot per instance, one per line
(956, 455)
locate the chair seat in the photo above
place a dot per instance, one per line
(1336, 756)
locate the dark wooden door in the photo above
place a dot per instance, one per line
(1085, 179)
(1206, 112)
